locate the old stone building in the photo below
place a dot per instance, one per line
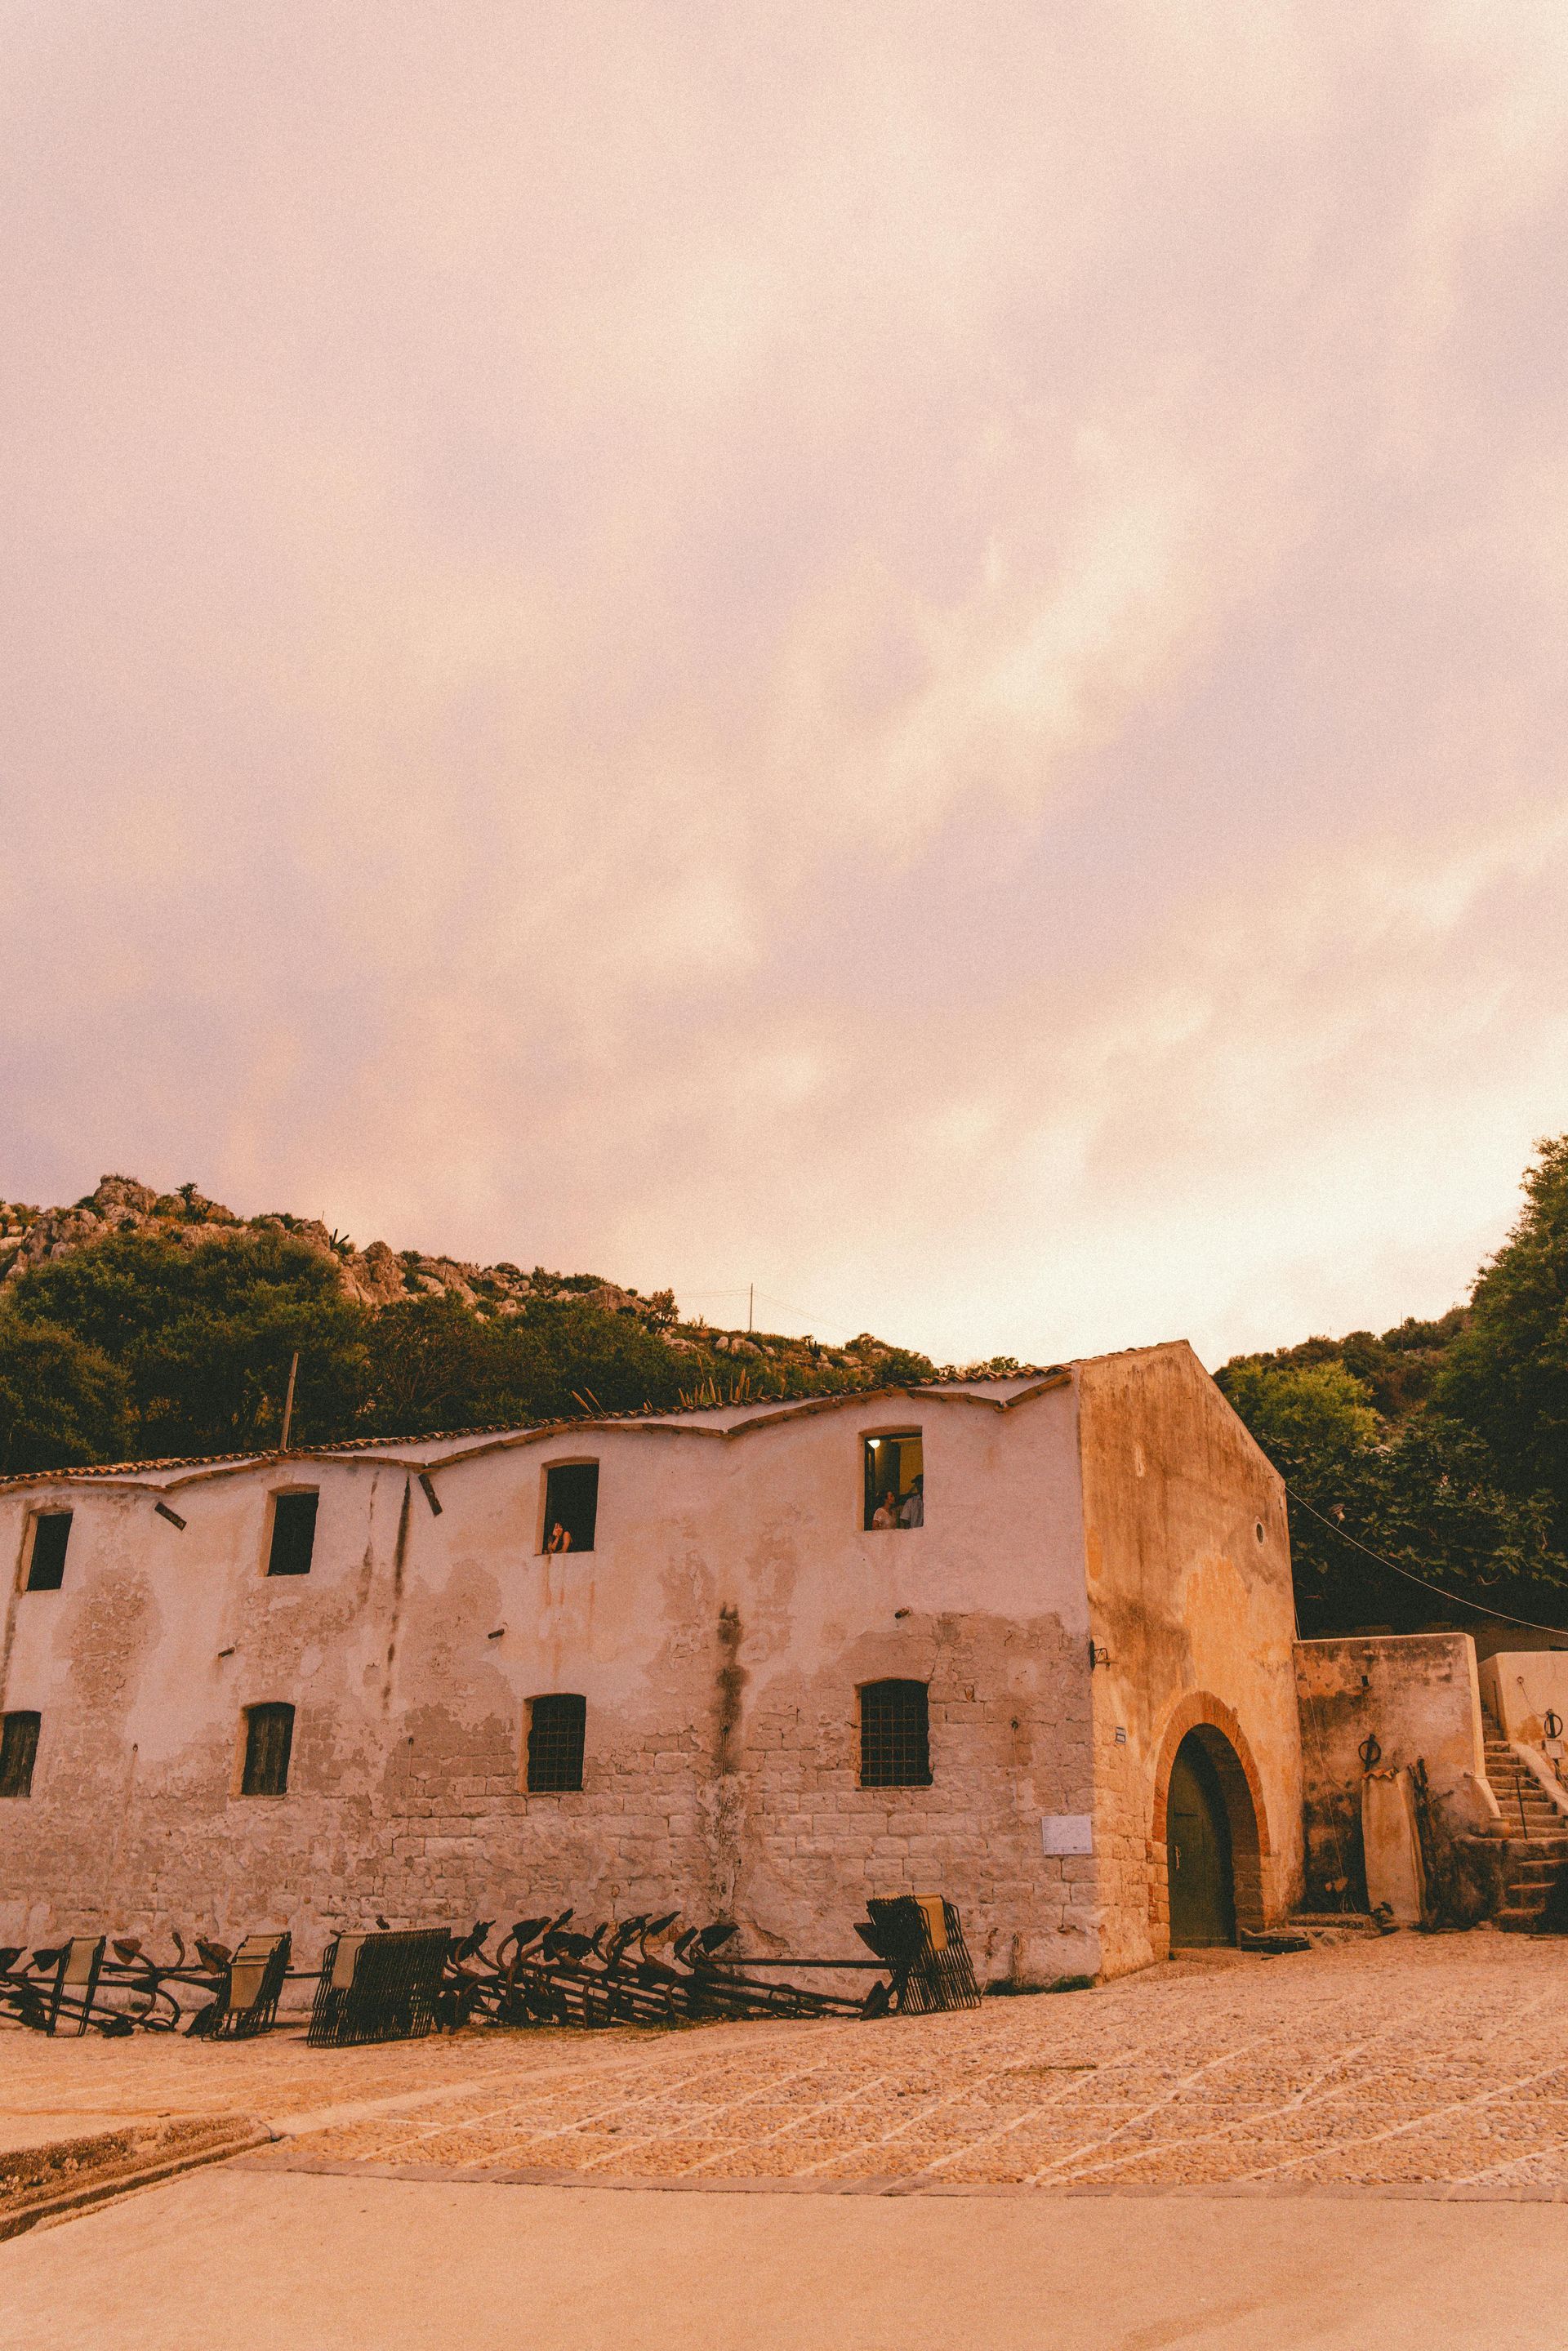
(989, 1637)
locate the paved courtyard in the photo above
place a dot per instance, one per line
(1421, 2063)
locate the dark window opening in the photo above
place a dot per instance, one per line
(571, 1505)
(268, 1737)
(557, 1726)
(46, 1567)
(895, 1738)
(18, 1754)
(894, 1481)
(293, 1533)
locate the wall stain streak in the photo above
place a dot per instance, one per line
(724, 1801)
(399, 1560)
(730, 1682)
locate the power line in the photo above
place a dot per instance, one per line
(1480, 1607)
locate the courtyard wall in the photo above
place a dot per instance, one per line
(1417, 1693)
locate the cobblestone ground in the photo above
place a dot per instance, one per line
(1411, 2060)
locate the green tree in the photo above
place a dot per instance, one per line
(62, 1401)
(1315, 1422)
(1506, 1376)
(203, 1335)
(561, 1357)
(433, 1364)
(1434, 1503)
(1426, 1495)
(430, 1364)
(1317, 1417)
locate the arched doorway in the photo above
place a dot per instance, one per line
(1198, 1859)
(1231, 1817)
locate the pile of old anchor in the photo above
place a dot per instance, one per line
(399, 1983)
(647, 1970)
(119, 1987)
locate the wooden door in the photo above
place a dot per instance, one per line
(1197, 1842)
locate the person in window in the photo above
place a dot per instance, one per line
(913, 1513)
(886, 1511)
(560, 1538)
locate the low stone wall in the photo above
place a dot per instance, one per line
(1418, 1696)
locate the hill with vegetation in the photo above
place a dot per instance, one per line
(139, 1325)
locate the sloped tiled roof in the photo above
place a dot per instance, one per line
(753, 1412)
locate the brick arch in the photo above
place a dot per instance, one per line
(1252, 1851)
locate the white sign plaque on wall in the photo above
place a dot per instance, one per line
(1066, 1833)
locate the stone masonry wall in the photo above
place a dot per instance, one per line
(719, 1631)
(1417, 1693)
(1189, 1571)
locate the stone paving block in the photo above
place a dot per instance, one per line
(1414, 2061)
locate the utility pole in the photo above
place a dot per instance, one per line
(288, 1403)
(750, 1306)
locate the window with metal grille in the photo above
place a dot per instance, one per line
(895, 1738)
(894, 1481)
(571, 1505)
(46, 1563)
(268, 1737)
(557, 1725)
(18, 1753)
(293, 1533)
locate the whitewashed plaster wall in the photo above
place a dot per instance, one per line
(718, 1632)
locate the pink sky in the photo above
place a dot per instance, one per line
(911, 652)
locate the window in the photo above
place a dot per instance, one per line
(18, 1753)
(46, 1565)
(268, 1735)
(571, 1506)
(556, 1727)
(894, 1481)
(896, 1742)
(293, 1533)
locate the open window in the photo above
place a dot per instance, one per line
(895, 1735)
(268, 1741)
(46, 1556)
(571, 1506)
(18, 1754)
(293, 1533)
(894, 1481)
(557, 1726)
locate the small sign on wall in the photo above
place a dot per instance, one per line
(1066, 1833)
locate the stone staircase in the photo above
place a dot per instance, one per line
(1535, 1842)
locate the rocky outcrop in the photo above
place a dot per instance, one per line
(375, 1276)
(378, 1276)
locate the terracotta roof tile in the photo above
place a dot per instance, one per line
(773, 1406)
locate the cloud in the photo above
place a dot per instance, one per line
(909, 656)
